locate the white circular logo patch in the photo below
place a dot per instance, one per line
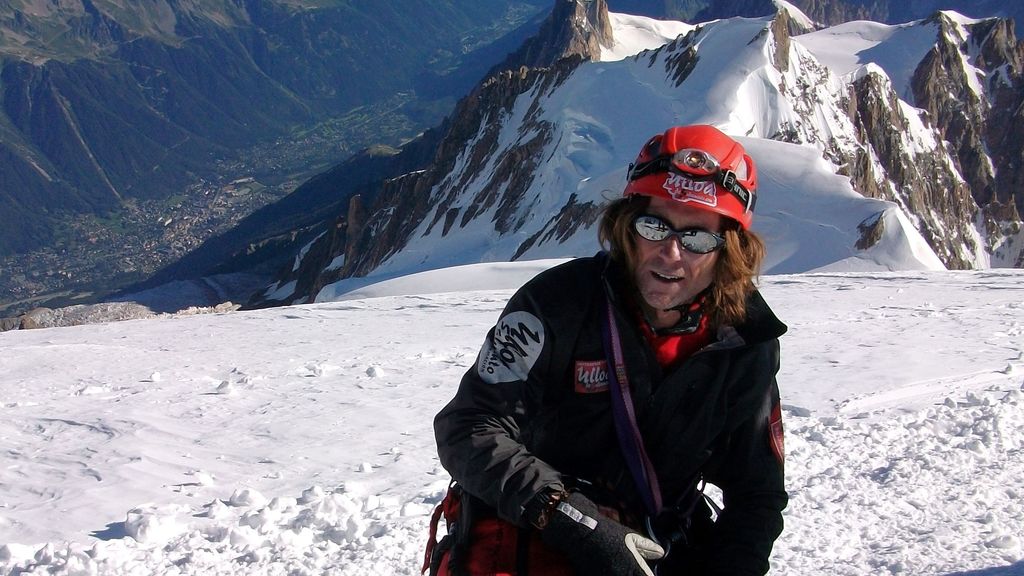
(513, 348)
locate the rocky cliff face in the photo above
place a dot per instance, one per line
(874, 146)
(1001, 56)
(923, 184)
(971, 86)
(947, 185)
(967, 84)
(574, 28)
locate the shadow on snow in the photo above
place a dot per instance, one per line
(1011, 570)
(113, 531)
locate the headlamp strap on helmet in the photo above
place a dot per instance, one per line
(639, 170)
(724, 178)
(727, 179)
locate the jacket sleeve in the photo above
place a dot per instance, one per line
(481, 433)
(752, 481)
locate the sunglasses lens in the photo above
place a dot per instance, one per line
(651, 228)
(699, 241)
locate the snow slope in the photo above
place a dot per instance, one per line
(298, 440)
(634, 34)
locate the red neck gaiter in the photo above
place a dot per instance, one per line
(671, 347)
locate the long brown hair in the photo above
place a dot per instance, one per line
(737, 267)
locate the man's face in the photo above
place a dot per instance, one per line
(667, 275)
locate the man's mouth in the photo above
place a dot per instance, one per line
(667, 277)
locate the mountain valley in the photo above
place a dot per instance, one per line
(117, 116)
(181, 142)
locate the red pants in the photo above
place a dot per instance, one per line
(494, 550)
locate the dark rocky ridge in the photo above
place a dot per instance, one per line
(922, 185)
(832, 12)
(986, 132)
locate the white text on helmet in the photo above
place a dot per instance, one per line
(683, 189)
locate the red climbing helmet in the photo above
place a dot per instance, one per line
(698, 165)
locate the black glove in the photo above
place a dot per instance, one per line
(596, 544)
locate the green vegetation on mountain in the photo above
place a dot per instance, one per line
(103, 102)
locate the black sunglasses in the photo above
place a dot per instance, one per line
(696, 240)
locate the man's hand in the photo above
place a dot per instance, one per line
(596, 544)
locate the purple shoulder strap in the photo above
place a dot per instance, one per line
(630, 441)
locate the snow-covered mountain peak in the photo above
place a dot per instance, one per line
(796, 14)
(848, 127)
(898, 49)
(634, 34)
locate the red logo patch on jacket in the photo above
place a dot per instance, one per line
(591, 376)
(776, 435)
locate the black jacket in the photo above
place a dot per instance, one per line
(535, 412)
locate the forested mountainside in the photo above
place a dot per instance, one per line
(170, 120)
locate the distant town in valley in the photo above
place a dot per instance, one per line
(97, 255)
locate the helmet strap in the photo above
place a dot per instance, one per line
(724, 178)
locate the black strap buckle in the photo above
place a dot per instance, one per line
(728, 180)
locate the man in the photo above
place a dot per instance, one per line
(613, 388)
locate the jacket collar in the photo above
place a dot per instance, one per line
(760, 325)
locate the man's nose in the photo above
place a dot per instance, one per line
(672, 247)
